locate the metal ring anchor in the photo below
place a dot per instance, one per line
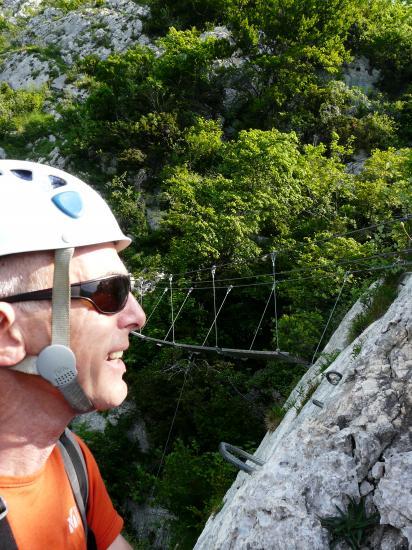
(228, 452)
(333, 377)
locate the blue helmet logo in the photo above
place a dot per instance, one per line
(70, 203)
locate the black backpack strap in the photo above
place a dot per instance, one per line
(76, 470)
(91, 540)
(7, 541)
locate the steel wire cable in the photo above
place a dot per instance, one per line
(155, 307)
(171, 427)
(290, 271)
(349, 272)
(319, 277)
(178, 313)
(310, 268)
(345, 278)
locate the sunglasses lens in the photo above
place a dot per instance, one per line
(109, 295)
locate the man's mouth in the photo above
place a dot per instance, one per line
(114, 355)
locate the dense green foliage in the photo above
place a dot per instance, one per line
(21, 114)
(244, 144)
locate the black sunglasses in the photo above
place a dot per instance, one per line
(107, 294)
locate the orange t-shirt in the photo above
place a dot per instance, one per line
(43, 514)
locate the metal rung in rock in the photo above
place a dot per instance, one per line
(228, 452)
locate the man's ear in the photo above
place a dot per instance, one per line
(12, 349)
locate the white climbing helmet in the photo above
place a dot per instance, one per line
(43, 208)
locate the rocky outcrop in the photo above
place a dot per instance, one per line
(97, 422)
(151, 523)
(47, 41)
(348, 440)
(359, 73)
(44, 43)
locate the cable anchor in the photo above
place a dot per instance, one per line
(333, 377)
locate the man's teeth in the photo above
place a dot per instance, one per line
(115, 355)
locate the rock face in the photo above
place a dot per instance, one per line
(358, 444)
(151, 524)
(359, 73)
(47, 41)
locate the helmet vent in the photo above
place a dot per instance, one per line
(57, 182)
(23, 174)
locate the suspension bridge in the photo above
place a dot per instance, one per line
(213, 284)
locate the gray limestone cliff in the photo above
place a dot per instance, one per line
(357, 443)
(47, 41)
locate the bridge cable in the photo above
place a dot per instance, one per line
(229, 288)
(171, 307)
(311, 268)
(345, 278)
(297, 270)
(400, 263)
(178, 313)
(172, 425)
(155, 307)
(213, 270)
(273, 290)
(273, 256)
(261, 319)
(141, 298)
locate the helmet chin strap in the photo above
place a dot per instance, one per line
(57, 363)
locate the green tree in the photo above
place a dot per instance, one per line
(253, 190)
(194, 492)
(386, 38)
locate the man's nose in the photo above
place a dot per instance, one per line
(133, 315)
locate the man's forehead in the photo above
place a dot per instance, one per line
(91, 262)
(26, 265)
(35, 269)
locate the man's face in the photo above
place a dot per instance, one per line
(96, 339)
